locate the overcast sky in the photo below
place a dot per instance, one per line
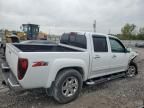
(58, 16)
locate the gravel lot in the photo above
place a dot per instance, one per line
(119, 93)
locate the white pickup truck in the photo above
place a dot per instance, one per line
(80, 58)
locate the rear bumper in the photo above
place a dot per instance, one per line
(9, 78)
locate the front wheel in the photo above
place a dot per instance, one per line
(132, 70)
(67, 86)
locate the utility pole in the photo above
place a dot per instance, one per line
(94, 26)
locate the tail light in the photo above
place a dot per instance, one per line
(22, 67)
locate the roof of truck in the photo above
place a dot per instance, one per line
(95, 33)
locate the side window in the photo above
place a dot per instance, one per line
(100, 44)
(116, 45)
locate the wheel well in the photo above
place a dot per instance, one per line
(79, 69)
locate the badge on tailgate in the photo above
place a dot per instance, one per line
(39, 63)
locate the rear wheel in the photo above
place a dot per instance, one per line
(132, 70)
(67, 86)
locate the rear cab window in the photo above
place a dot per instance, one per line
(74, 39)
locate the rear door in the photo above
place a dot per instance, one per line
(119, 57)
(100, 56)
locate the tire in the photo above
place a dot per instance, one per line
(67, 86)
(132, 70)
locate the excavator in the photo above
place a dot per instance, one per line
(31, 31)
(28, 32)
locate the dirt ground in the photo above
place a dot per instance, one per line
(119, 93)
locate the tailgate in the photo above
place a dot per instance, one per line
(12, 57)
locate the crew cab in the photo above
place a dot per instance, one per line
(62, 69)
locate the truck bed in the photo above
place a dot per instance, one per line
(44, 48)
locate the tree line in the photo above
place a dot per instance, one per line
(130, 32)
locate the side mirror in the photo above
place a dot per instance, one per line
(128, 50)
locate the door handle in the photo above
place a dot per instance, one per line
(96, 56)
(114, 56)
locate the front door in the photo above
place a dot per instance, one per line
(119, 56)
